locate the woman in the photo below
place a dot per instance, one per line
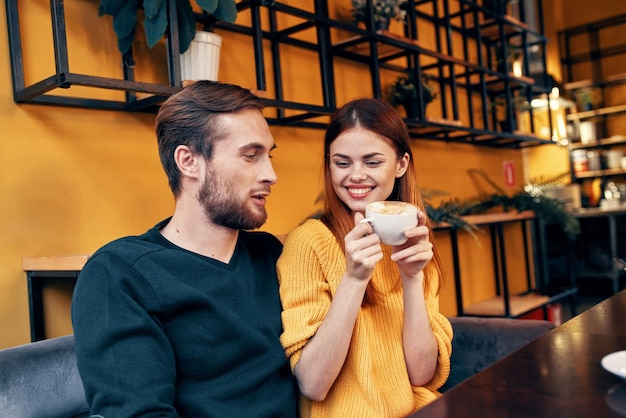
(361, 323)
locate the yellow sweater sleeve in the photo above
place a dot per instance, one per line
(305, 293)
(443, 334)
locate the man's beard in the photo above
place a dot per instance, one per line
(223, 209)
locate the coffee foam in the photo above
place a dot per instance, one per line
(392, 208)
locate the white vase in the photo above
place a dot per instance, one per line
(202, 60)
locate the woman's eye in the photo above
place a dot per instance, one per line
(373, 163)
(342, 164)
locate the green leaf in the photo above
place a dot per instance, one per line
(226, 11)
(209, 6)
(186, 25)
(125, 21)
(152, 8)
(156, 27)
(125, 43)
(110, 7)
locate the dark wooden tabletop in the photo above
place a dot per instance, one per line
(557, 375)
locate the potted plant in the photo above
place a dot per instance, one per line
(497, 107)
(383, 12)
(404, 91)
(588, 98)
(533, 196)
(155, 22)
(509, 62)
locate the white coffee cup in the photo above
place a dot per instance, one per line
(390, 219)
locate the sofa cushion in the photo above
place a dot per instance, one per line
(479, 342)
(40, 379)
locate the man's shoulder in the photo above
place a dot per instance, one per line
(130, 244)
(129, 248)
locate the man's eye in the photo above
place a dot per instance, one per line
(249, 156)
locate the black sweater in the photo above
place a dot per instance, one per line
(161, 331)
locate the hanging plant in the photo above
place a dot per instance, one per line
(383, 11)
(155, 21)
(405, 90)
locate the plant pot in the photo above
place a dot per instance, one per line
(381, 24)
(413, 109)
(202, 60)
(506, 126)
(585, 107)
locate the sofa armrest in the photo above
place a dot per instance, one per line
(479, 342)
(40, 379)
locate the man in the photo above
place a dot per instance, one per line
(184, 320)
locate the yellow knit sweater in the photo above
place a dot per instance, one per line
(373, 381)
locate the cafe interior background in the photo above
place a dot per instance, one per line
(76, 178)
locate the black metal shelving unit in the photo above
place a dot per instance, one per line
(592, 57)
(461, 74)
(588, 55)
(42, 91)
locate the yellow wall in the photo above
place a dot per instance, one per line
(74, 179)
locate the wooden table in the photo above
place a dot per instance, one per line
(557, 375)
(38, 271)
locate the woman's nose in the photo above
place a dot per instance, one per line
(357, 173)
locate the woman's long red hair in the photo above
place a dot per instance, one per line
(380, 118)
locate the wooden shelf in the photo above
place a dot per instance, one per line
(437, 124)
(490, 28)
(360, 45)
(391, 45)
(62, 263)
(497, 83)
(608, 81)
(614, 140)
(490, 218)
(596, 113)
(600, 173)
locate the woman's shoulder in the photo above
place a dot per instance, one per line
(310, 231)
(312, 249)
(311, 237)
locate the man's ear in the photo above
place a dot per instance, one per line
(186, 161)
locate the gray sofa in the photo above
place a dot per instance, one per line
(479, 342)
(40, 379)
